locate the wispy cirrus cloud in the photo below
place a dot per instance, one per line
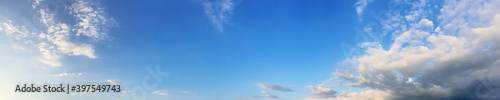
(172, 93)
(266, 94)
(91, 20)
(67, 74)
(361, 6)
(54, 37)
(218, 12)
(112, 82)
(270, 86)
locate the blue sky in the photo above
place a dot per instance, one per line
(278, 42)
(252, 49)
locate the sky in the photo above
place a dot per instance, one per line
(253, 49)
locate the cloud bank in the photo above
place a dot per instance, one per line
(454, 55)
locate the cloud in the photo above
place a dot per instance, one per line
(265, 94)
(426, 25)
(322, 91)
(218, 11)
(91, 20)
(112, 82)
(172, 93)
(49, 57)
(67, 74)
(361, 6)
(366, 95)
(270, 86)
(19, 32)
(59, 34)
(54, 38)
(456, 60)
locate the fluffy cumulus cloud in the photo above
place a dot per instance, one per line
(451, 55)
(53, 35)
(270, 86)
(218, 11)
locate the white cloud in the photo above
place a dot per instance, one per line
(322, 92)
(218, 12)
(59, 35)
(488, 34)
(54, 38)
(112, 82)
(91, 20)
(18, 32)
(126, 92)
(266, 94)
(426, 25)
(361, 6)
(49, 57)
(270, 86)
(172, 93)
(365, 95)
(67, 74)
(426, 63)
